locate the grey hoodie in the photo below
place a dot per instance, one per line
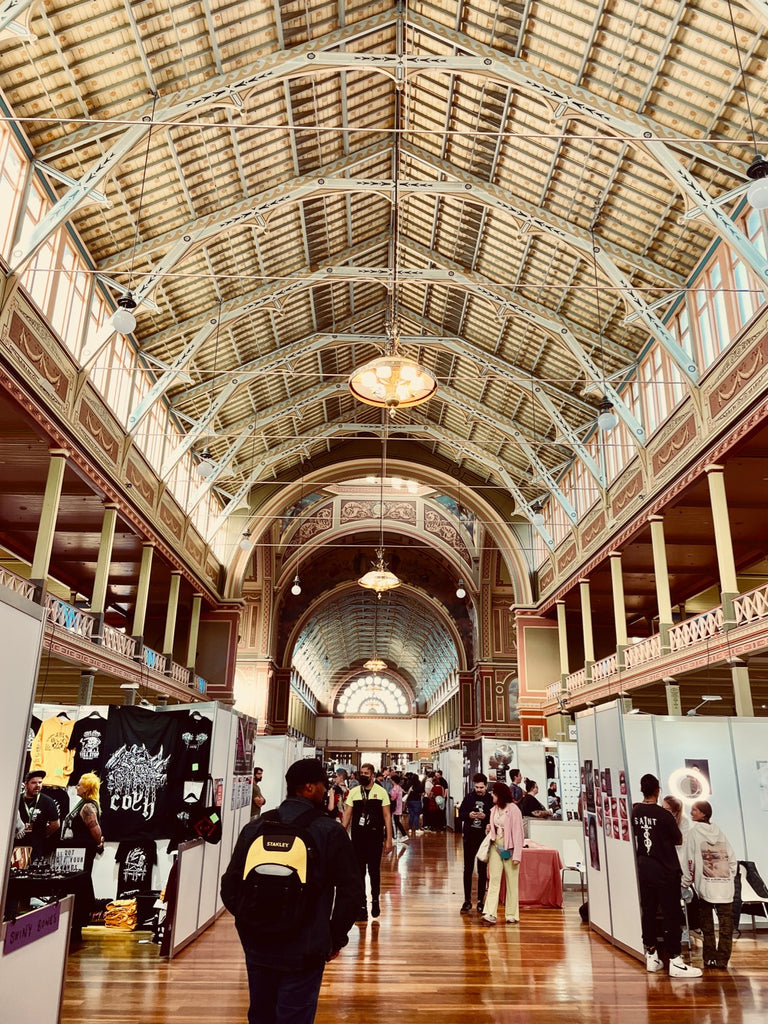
(710, 863)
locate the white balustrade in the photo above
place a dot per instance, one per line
(16, 583)
(153, 660)
(118, 642)
(576, 681)
(605, 668)
(751, 607)
(68, 617)
(179, 674)
(692, 631)
(643, 652)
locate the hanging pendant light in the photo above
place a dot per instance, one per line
(606, 413)
(379, 578)
(296, 587)
(757, 172)
(538, 515)
(606, 418)
(393, 381)
(123, 319)
(206, 467)
(375, 664)
(245, 543)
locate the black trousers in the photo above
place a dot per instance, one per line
(471, 841)
(368, 852)
(660, 892)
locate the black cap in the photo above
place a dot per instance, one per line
(303, 773)
(38, 773)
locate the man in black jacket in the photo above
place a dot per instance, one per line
(284, 974)
(474, 814)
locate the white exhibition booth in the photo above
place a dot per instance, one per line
(723, 760)
(200, 865)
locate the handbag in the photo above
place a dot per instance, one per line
(505, 854)
(205, 816)
(485, 849)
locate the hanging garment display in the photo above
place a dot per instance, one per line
(195, 745)
(136, 861)
(50, 750)
(140, 794)
(88, 744)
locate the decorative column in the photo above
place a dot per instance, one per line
(729, 587)
(194, 626)
(85, 690)
(562, 638)
(99, 595)
(170, 616)
(661, 573)
(586, 627)
(619, 607)
(46, 530)
(742, 690)
(142, 594)
(672, 690)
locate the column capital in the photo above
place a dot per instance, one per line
(714, 467)
(583, 579)
(614, 554)
(656, 518)
(60, 453)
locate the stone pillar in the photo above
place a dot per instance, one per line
(562, 637)
(46, 530)
(729, 587)
(85, 690)
(674, 707)
(142, 594)
(661, 574)
(99, 596)
(586, 625)
(619, 606)
(194, 626)
(170, 615)
(742, 690)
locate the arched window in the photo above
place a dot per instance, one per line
(372, 695)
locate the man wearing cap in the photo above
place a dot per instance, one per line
(39, 814)
(284, 974)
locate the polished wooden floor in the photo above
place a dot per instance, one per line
(422, 963)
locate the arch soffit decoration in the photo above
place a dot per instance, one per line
(491, 519)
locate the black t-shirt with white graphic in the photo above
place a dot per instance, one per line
(140, 795)
(194, 745)
(136, 861)
(88, 741)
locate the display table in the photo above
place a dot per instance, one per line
(540, 884)
(23, 885)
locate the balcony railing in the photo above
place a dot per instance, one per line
(16, 583)
(59, 613)
(153, 660)
(642, 653)
(180, 674)
(605, 668)
(118, 642)
(700, 627)
(751, 607)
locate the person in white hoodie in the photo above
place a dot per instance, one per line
(710, 866)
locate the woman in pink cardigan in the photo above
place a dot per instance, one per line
(506, 829)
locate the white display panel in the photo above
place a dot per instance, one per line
(594, 840)
(750, 746)
(619, 844)
(21, 628)
(570, 782)
(702, 746)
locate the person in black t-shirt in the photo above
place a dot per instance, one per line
(658, 870)
(40, 816)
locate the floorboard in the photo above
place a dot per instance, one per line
(422, 963)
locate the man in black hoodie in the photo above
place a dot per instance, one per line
(474, 814)
(285, 972)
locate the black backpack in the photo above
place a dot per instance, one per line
(278, 891)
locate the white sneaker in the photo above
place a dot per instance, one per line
(678, 968)
(419, 832)
(653, 961)
(511, 920)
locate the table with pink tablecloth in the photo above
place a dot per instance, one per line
(541, 884)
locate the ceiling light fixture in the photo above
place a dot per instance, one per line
(379, 578)
(206, 467)
(245, 543)
(375, 664)
(706, 698)
(123, 319)
(606, 414)
(296, 587)
(393, 381)
(757, 172)
(461, 592)
(538, 515)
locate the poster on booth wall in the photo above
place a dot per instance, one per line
(244, 746)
